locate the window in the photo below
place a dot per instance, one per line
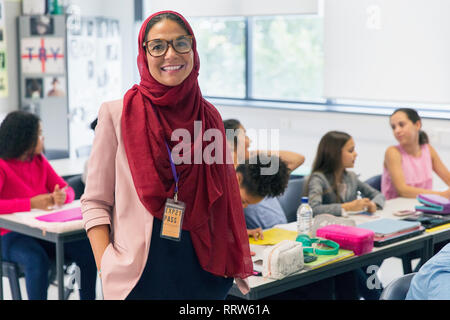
(283, 61)
(287, 58)
(221, 47)
(278, 61)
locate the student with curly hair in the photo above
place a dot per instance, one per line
(267, 212)
(255, 184)
(27, 181)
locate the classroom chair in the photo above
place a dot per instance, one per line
(375, 182)
(398, 288)
(291, 198)
(77, 185)
(14, 272)
(54, 154)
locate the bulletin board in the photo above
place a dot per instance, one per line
(43, 75)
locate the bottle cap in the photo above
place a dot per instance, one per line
(304, 199)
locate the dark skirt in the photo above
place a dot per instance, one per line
(173, 272)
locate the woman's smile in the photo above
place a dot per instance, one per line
(172, 68)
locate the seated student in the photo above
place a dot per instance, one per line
(408, 166)
(334, 190)
(267, 212)
(27, 181)
(432, 282)
(255, 185)
(331, 188)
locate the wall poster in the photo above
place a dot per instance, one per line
(42, 55)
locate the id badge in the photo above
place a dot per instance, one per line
(172, 220)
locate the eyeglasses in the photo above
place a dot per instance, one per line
(159, 47)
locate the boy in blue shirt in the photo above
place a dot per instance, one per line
(432, 282)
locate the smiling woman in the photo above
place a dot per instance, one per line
(168, 47)
(133, 182)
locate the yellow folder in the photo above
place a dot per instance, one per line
(274, 236)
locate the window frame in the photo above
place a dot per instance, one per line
(320, 105)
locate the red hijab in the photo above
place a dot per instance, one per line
(214, 215)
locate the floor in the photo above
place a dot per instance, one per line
(52, 291)
(389, 270)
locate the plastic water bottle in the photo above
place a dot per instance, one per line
(304, 218)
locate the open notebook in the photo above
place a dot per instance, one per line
(62, 216)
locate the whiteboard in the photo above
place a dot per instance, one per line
(387, 50)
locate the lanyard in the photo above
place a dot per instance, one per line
(174, 172)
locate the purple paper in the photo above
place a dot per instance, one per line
(62, 216)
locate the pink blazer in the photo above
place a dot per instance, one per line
(110, 198)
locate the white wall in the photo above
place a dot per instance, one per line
(301, 131)
(387, 50)
(205, 8)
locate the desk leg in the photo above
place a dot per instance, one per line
(1, 270)
(59, 268)
(427, 253)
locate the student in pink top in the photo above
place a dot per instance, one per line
(408, 167)
(27, 181)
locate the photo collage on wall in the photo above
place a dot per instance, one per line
(3, 57)
(93, 72)
(43, 60)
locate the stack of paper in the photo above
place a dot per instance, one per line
(386, 229)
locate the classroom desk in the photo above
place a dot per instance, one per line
(56, 232)
(262, 287)
(69, 166)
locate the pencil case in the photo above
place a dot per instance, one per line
(282, 259)
(433, 203)
(358, 240)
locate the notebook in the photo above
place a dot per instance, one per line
(386, 227)
(62, 216)
(429, 221)
(401, 236)
(323, 260)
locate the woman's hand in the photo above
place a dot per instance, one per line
(59, 195)
(257, 233)
(42, 201)
(358, 205)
